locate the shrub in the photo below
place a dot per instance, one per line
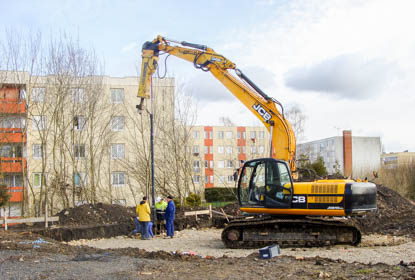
(193, 200)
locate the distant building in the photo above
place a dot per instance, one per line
(353, 156)
(218, 151)
(393, 160)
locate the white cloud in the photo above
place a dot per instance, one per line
(345, 76)
(361, 51)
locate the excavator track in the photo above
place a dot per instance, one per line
(303, 232)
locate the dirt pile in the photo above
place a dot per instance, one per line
(395, 215)
(90, 214)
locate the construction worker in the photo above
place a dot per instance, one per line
(161, 206)
(143, 210)
(136, 223)
(169, 216)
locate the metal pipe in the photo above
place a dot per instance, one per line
(153, 199)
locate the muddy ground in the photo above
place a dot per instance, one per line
(24, 256)
(395, 216)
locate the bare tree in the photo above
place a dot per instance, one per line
(297, 120)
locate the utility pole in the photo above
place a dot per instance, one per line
(153, 199)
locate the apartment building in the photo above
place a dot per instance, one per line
(353, 156)
(394, 160)
(13, 141)
(73, 141)
(218, 151)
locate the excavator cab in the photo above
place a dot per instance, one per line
(265, 183)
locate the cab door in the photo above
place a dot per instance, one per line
(265, 183)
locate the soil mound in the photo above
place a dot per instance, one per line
(99, 213)
(395, 215)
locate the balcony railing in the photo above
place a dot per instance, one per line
(12, 135)
(12, 165)
(12, 106)
(16, 194)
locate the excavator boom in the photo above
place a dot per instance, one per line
(206, 59)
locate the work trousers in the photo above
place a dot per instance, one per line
(170, 227)
(137, 227)
(144, 230)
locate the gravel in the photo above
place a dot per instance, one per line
(373, 249)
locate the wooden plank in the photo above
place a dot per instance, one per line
(226, 216)
(31, 220)
(200, 212)
(220, 213)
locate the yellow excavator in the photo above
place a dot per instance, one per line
(278, 209)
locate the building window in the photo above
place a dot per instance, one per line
(244, 149)
(253, 134)
(211, 179)
(196, 150)
(117, 123)
(80, 202)
(253, 149)
(117, 95)
(211, 164)
(196, 179)
(222, 179)
(122, 202)
(229, 163)
(78, 95)
(117, 151)
(208, 134)
(220, 149)
(37, 151)
(79, 179)
(196, 166)
(79, 151)
(210, 149)
(220, 134)
(39, 122)
(229, 149)
(261, 149)
(12, 122)
(230, 178)
(239, 149)
(221, 164)
(206, 149)
(261, 135)
(38, 94)
(79, 122)
(229, 134)
(37, 180)
(196, 134)
(118, 179)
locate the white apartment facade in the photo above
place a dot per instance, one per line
(353, 156)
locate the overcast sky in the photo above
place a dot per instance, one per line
(346, 64)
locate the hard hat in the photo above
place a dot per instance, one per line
(158, 199)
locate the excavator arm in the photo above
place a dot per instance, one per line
(204, 58)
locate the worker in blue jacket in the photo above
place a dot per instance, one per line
(169, 216)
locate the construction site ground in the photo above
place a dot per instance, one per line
(386, 252)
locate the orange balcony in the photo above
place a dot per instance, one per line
(16, 194)
(12, 165)
(10, 106)
(12, 135)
